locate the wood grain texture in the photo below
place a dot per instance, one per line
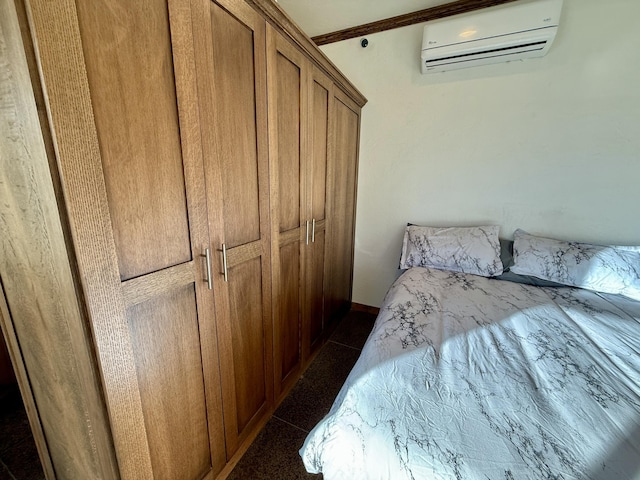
(314, 326)
(55, 27)
(233, 110)
(156, 284)
(321, 90)
(288, 28)
(421, 16)
(164, 332)
(320, 108)
(127, 49)
(287, 70)
(236, 131)
(287, 318)
(39, 287)
(343, 186)
(183, 50)
(289, 143)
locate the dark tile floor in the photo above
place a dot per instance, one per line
(18, 455)
(274, 453)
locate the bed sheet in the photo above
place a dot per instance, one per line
(468, 377)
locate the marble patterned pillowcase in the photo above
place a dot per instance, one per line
(473, 250)
(607, 269)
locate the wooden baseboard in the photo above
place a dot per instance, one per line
(358, 307)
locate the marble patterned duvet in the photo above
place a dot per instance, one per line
(465, 377)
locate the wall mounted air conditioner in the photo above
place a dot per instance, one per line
(513, 31)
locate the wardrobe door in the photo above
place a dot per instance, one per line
(122, 105)
(342, 205)
(320, 111)
(288, 87)
(231, 75)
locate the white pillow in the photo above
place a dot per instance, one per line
(460, 249)
(603, 268)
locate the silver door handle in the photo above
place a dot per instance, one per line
(313, 231)
(225, 272)
(307, 234)
(207, 255)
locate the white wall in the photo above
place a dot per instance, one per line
(550, 145)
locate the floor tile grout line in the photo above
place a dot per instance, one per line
(7, 469)
(290, 424)
(345, 345)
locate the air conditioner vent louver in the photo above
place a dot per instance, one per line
(517, 31)
(500, 51)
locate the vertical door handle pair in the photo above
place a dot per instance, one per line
(225, 272)
(313, 232)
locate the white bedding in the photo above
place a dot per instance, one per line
(467, 377)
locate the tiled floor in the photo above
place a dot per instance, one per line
(18, 454)
(274, 453)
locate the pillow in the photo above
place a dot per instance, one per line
(607, 269)
(460, 249)
(506, 257)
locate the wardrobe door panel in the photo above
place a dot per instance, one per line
(231, 76)
(320, 102)
(344, 166)
(288, 88)
(288, 333)
(234, 84)
(166, 346)
(247, 332)
(121, 99)
(320, 92)
(288, 106)
(127, 50)
(315, 329)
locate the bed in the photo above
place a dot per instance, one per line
(469, 376)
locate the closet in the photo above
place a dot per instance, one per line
(300, 108)
(197, 170)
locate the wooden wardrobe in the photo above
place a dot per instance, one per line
(177, 198)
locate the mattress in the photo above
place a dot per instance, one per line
(468, 377)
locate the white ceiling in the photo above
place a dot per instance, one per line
(317, 17)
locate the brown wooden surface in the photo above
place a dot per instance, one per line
(287, 27)
(161, 319)
(342, 197)
(231, 74)
(287, 79)
(421, 16)
(145, 445)
(69, 104)
(358, 307)
(165, 337)
(320, 111)
(189, 113)
(62, 393)
(127, 49)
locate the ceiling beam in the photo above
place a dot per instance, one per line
(421, 16)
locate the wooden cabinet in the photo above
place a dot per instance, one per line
(185, 234)
(231, 74)
(343, 167)
(300, 107)
(123, 110)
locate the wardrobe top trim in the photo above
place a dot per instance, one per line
(281, 21)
